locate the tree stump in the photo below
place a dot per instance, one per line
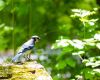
(25, 71)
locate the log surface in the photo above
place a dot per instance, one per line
(26, 71)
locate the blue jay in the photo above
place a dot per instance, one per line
(25, 47)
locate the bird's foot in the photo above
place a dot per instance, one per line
(29, 60)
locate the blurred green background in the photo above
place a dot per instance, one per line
(69, 29)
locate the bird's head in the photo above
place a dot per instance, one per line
(36, 38)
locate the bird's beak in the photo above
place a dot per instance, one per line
(37, 40)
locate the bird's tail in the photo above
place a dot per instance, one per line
(16, 58)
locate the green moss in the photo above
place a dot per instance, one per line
(26, 71)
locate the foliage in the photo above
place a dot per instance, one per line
(43, 18)
(5, 31)
(76, 58)
(85, 52)
(82, 56)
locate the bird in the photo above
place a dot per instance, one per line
(29, 45)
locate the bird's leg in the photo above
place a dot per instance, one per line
(28, 57)
(25, 57)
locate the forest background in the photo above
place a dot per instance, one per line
(69, 48)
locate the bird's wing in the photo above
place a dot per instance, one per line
(25, 47)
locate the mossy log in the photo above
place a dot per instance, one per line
(25, 71)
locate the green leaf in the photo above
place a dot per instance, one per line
(98, 45)
(61, 65)
(78, 53)
(88, 73)
(71, 62)
(2, 4)
(85, 61)
(68, 49)
(97, 70)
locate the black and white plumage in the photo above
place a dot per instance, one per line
(25, 47)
